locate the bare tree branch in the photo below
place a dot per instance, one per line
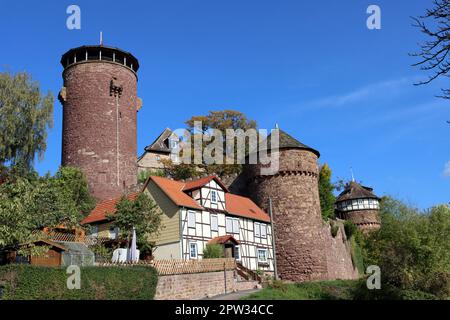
(434, 54)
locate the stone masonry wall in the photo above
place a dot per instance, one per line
(300, 246)
(194, 286)
(90, 122)
(339, 256)
(365, 220)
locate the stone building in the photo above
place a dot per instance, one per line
(99, 117)
(360, 205)
(298, 226)
(100, 103)
(161, 149)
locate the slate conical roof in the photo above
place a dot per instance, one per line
(354, 190)
(289, 142)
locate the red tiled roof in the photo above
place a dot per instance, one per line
(244, 207)
(223, 240)
(195, 184)
(174, 190)
(105, 208)
(235, 205)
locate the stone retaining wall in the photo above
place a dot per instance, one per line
(197, 285)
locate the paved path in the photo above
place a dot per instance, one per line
(233, 295)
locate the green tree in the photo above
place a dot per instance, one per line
(213, 251)
(412, 248)
(222, 120)
(326, 195)
(25, 116)
(72, 182)
(28, 204)
(144, 174)
(142, 213)
(219, 120)
(179, 171)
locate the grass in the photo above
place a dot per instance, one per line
(320, 290)
(334, 290)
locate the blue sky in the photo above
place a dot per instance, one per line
(311, 66)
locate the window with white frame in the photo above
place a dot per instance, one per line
(193, 250)
(262, 255)
(214, 222)
(263, 231)
(257, 227)
(213, 196)
(191, 219)
(232, 225)
(237, 253)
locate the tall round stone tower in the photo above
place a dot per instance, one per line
(360, 205)
(300, 245)
(99, 117)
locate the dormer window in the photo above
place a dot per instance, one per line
(213, 196)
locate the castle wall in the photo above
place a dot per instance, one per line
(299, 236)
(339, 256)
(91, 140)
(365, 220)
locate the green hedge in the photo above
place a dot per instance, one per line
(25, 282)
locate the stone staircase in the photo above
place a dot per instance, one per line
(246, 274)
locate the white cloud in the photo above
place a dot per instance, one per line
(373, 90)
(447, 169)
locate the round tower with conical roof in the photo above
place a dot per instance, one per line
(360, 205)
(294, 191)
(99, 117)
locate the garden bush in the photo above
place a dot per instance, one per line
(213, 251)
(350, 228)
(25, 282)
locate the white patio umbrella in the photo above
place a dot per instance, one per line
(132, 254)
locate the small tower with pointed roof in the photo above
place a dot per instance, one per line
(360, 205)
(295, 208)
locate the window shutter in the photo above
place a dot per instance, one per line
(214, 223)
(257, 231)
(191, 219)
(263, 231)
(229, 225)
(235, 225)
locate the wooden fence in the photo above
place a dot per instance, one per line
(170, 267)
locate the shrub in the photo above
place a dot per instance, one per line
(350, 228)
(144, 174)
(102, 253)
(334, 229)
(25, 282)
(213, 251)
(357, 255)
(412, 248)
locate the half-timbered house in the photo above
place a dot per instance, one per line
(203, 211)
